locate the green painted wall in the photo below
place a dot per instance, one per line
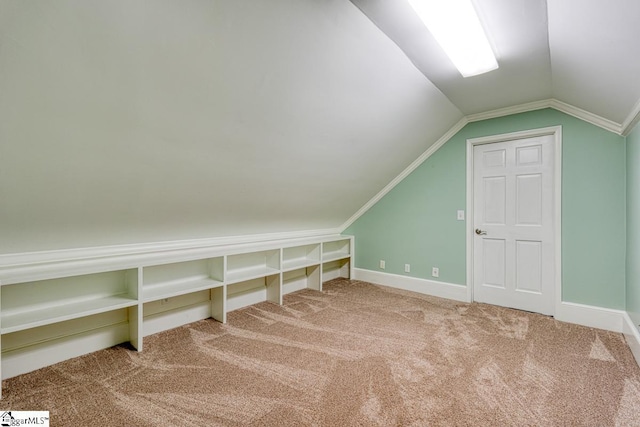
(633, 226)
(416, 222)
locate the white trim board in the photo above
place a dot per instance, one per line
(632, 119)
(579, 314)
(40, 257)
(501, 112)
(588, 315)
(53, 264)
(563, 107)
(414, 284)
(632, 335)
(508, 111)
(586, 116)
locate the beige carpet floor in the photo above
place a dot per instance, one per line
(355, 355)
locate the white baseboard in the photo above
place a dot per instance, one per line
(602, 318)
(580, 314)
(587, 315)
(632, 335)
(423, 286)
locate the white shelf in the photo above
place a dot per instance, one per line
(294, 264)
(334, 256)
(180, 278)
(170, 290)
(27, 319)
(249, 273)
(296, 257)
(336, 250)
(252, 265)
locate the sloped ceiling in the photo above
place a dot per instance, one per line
(595, 55)
(133, 121)
(581, 52)
(518, 34)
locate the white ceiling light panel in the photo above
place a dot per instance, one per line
(457, 28)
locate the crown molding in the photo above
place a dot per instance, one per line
(563, 107)
(413, 166)
(586, 116)
(507, 111)
(632, 120)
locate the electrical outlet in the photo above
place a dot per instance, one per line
(382, 264)
(435, 272)
(407, 268)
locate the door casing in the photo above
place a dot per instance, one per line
(556, 132)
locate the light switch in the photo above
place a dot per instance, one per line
(460, 215)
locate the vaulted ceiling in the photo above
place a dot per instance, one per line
(133, 121)
(582, 52)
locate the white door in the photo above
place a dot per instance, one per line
(513, 214)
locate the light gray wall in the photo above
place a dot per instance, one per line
(134, 121)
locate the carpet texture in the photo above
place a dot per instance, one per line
(354, 355)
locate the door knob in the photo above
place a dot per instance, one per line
(480, 232)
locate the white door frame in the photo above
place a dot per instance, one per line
(556, 132)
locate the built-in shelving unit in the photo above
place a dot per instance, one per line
(33, 304)
(54, 308)
(337, 258)
(336, 250)
(301, 266)
(300, 256)
(171, 280)
(247, 266)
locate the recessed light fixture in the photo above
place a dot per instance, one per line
(457, 28)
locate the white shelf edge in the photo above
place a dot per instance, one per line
(335, 256)
(242, 275)
(215, 245)
(34, 266)
(100, 305)
(178, 288)
(297, 263)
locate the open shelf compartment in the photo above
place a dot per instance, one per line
(301, 278)
(247, 266)
(44, 302)
(297, 257)
(171, 280)
(335, 250)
